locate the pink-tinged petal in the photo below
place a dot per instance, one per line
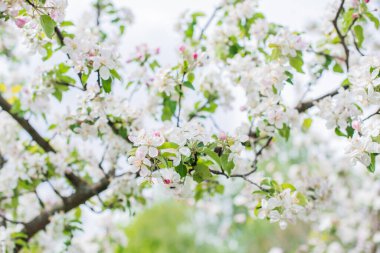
(141, 152)
(147, 162)
(185, 151)
(153, 152)
(21, 22)
(144, 171)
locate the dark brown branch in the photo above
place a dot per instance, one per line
(82, 195)
(302, 107)
(371, 115)
(2, 161)
(340, 35)
(10, 220)
(27, 126)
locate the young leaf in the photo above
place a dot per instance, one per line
(373, 19)
(214, 156)
(107, 85)
(372, 166)
(297, 63)
(181, 170)
(359, 35)
(306, 124)
(284, 132)
(337, 68)
(188, 84)
(201, 173)
(48, 24)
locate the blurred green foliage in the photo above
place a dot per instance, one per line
(169, 228)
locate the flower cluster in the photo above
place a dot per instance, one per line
(283, 207)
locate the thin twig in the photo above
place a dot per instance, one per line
(213, 15)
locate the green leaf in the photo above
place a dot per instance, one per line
(276, 53)
(373, 19)
(181, 170)
(115, 74)
(154, 65)
(290, 77)
(288, 186)
(302, 200)
(346, 83)
(49, 51)
(358, 30)
(297, 62)
(201, 173)
(214, 156)
(284, 132)
(188, 84)
(48, 24)
(339, 132)
(350, 131)
(84, 77)
(169, 145)
(67, 23)
(337, 68)
(372, 166)
(190, 77)
(63, 68)
(347, 20)
(227, 166)
(107, 85)
(57, 94)
(168, 109)
(66, 79)
(306, 124)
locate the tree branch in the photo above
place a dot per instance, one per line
(83, 194)
(341, 36)
(27, 126)
(302, 107)
(213, 15)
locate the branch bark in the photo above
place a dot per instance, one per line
(76, 199)
(27, 126)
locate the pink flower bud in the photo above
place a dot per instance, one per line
(366, 1)
(355, 15)
(157, 51)
(195, 56)
(167, 181)
(222, 136)
(20, 22)
(356, 125)
(182, 49)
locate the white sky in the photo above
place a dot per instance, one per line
(155, 19)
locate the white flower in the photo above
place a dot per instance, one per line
(288, 42)
(139, 162)
(361, 147)
(184, 151)
(259, 29)
(150, 141)
(164, 82)
(275, 216)
(276, 117)
(167, 177)
(267, 206)
(104, 73)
